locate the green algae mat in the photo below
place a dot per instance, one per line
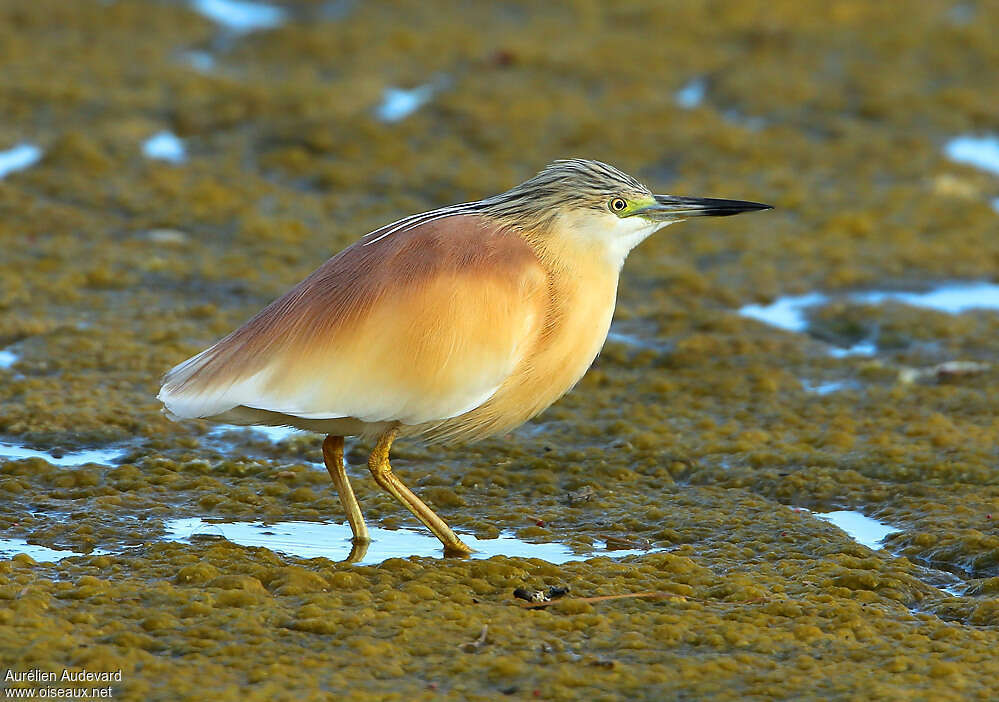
(168, 168)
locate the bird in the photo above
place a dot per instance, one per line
(450, 325)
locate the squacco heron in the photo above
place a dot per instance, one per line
(450, 325)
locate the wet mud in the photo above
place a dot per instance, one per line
(165, 172)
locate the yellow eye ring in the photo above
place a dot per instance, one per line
(617, 204)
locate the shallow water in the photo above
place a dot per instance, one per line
(980, 151)
(691, 94)
(871, 533)
(397, 103)
(789, 312)
(636, 333)
(12, 547)
(241, 16)
(629, 340)
(862, 529)
(314, 540)
(7, 358)
(74, 458)
(277, 434)
(827, 388)
(953, 298)
(274, 434)
(202, 61)
(18, 158)
(165, 146)
(861, 348)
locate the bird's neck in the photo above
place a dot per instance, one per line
(582, 284)
(570, 240)
(568, 253)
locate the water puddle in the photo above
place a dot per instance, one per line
(995, 204)
(164, 146)
(861, 348)
(241, 16)
(786, 312)
(636, 334)
(11, 547)
(277, 434)
(827, 388)
(200, 61)
(74, 458)
(870, 533)
(942, 580)
(397, 104)
(18, 158)
(864, 530)
(691, 94)
(978, 151)
(629, 340)
(790, 312)
(7, 358)
(273, 434)
(953, 298)
(315, 539)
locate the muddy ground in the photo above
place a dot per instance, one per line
(698, 431)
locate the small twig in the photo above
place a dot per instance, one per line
(474, 646)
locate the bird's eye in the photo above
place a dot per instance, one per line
(617, 204)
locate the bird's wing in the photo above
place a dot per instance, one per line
(417, 327)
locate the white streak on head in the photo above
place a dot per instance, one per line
(420, 218)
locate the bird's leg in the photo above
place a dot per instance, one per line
(388, 481)
(333, 457)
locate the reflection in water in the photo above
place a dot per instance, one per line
(274, 434)
(277, 434)
(11, 547)
(315, 539)
(76, 458)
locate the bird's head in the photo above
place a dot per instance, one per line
(596, 202)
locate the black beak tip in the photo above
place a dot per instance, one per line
(733, 207)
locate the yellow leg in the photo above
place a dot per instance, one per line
(333, 457)
(378, 463)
